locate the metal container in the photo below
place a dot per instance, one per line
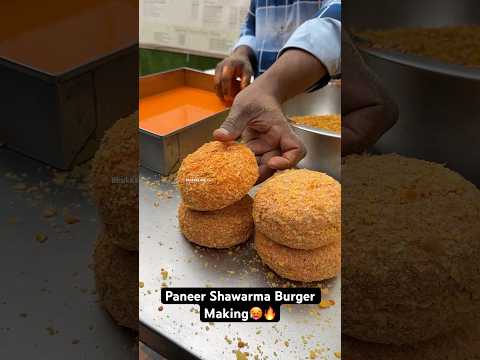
(163, 154)
(323, 147)
(439, 114)
(60, 118)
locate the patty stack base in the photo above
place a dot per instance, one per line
(300, 212)
(115, 191)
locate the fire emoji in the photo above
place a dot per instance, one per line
(269, 314)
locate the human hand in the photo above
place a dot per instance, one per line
(257, 117)
(237, 65)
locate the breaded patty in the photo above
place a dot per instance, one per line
(222, 228)
(122, 236)
(116, 277)
(299, 209)
(217, 175)
(462, 344)
(410, 249)
(299, 265)
(114, 180)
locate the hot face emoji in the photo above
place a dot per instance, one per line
(256, 313)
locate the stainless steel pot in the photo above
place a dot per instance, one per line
(439, 103)
(323, 147)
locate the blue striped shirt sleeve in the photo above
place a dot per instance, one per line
(321, 37)
(247, 32)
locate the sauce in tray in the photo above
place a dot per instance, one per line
(171, 110)
(56, 36)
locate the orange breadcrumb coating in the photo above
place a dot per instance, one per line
(453, 45)
(410, 245)
(116, 278)
(114, 181)
(299, 265)
(299, 209)
(326, 122)
(461, 343)
(220, 229)
(217, 175)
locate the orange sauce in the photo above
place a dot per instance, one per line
(55, 36)
(168, 111)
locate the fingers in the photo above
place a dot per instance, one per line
(228, 77)
(236, 122)
(232, 127)
(226, 73)
(259, 146)
(292, 150)
(246, 78)
(263, 168)
(218, 81)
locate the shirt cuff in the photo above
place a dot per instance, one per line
(321, 37)
(246, 40)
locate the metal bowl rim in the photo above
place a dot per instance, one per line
(424, 63)
(317, 131)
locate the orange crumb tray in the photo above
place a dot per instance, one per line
(63, 81)
(178, 111)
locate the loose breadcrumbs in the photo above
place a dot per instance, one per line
(453, 45)
(326, 122)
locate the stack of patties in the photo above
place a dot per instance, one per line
(297, 220)
(214, 181)
(114, 185)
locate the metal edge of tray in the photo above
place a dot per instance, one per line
(25, 69)
(163, 153)
(176, 145)
(184, 74)
(163, 344)
(423, 63)
(321, 132)
(71, 72)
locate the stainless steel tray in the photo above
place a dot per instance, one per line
(438, 102)
(66, 114)
(176, 331)
(323, 147)
(51, 282)
(163, 154)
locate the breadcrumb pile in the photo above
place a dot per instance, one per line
(326, 122)
(453, 45)
(462, 343)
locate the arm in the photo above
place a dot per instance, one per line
(257, 116)
(367, 109)
(321, 37)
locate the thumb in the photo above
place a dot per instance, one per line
(233, 126)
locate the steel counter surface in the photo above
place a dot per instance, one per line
(48, 304)
(302, 331)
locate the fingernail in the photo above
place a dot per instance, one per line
(221, 133)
